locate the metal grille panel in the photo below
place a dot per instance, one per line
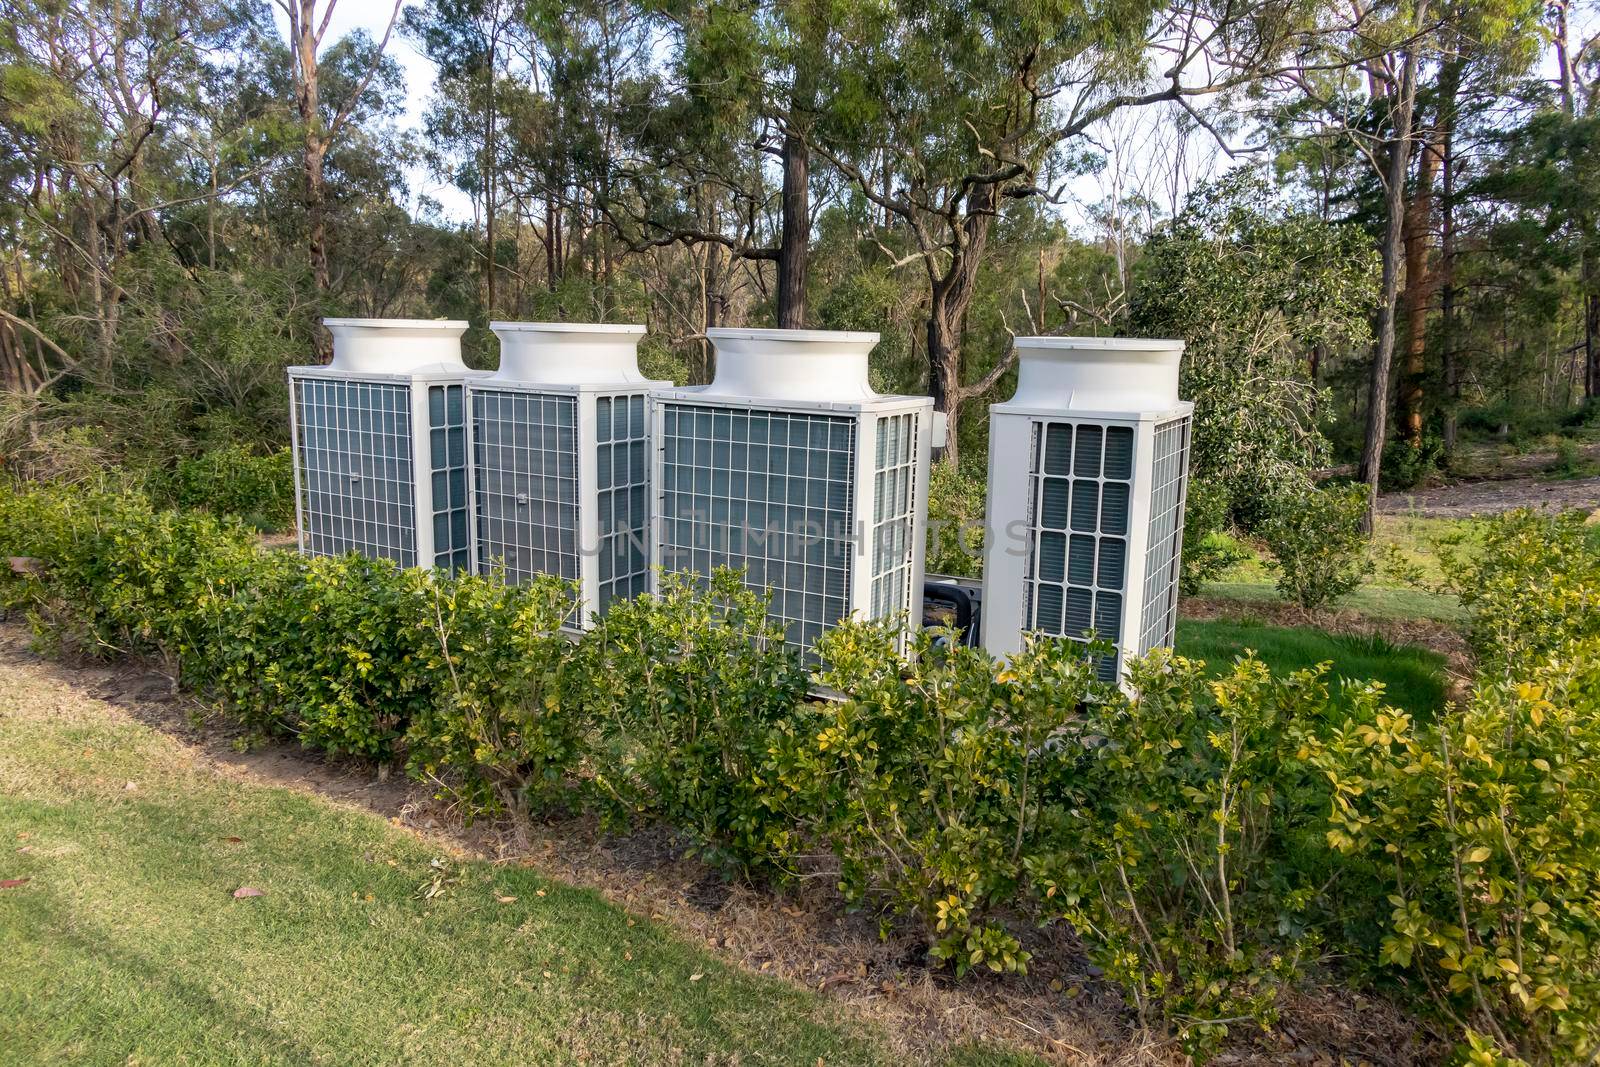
(1163, 557)
(353, 449)
(447, 443)
(622, 483)
(1082, 477)
(525, 457)
(894, 517)
(769, 491)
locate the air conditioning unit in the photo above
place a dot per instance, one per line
(560, 460)
(380, 452)
(790, 466)
(1088, 465)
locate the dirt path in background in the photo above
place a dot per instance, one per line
(1466, 499)
(1062, 1010)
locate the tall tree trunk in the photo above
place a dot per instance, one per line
(316, 213)
(944, 365)
(795, 246)
(489, 167)
(1383, 350)
(308, 100)
(950, 297)
(1417, 236)
(1590, 270)
(715, 299)
(1449, 89)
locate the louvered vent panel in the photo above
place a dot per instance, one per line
(622, 481)
(1077, 573)
(447, 443)
(769, 491)
(354, 454)
(1159, 622)
(526, 482)
(895, 514)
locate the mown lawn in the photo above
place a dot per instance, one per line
(1414, 678)
(1414, 541)
(126, 943)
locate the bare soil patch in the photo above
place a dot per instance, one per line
(1463, 500)
(1063, 1010)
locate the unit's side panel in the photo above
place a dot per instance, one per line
(354, 465)
(892, 523)
(1163, 557)
(1078, 552)
(447, 453)
(526, 483)
(622, 459)
(768, 491)
(298, 446)
(1009, 508)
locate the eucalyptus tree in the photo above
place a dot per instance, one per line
(323, 117)
(740, 86)
(942, 115)
(92, 93)
(467, 41)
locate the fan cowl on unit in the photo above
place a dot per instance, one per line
(1086, 536)
(396, 346)
(568, 353)
(820, 365)
(1111, 374)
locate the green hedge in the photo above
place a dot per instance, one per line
(1209, 840)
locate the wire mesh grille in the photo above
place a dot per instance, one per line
(354, 452)
(769, 491)
(525, 467)
(1163, 557)
(1082, 475)
(894, 514)
(622, 483)
(447, 443)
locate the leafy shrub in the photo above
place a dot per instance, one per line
(1488, 827)
(508, 727)
(1181, 854)
(1405, 466)
(956, 496)
(1208, 550)
(124, 577)
(1571, 461)
(1317, 545)
(233, 480)
(684, 688)
(352, 666)
(930, 779)
(1532, 587)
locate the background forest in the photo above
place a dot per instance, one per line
(1327, 199)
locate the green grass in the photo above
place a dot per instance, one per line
(1414, 678)
(127, 945)
(1414, 540)
(1380, 602)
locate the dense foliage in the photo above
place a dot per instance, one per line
(1318, 549)
(1210, 841)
